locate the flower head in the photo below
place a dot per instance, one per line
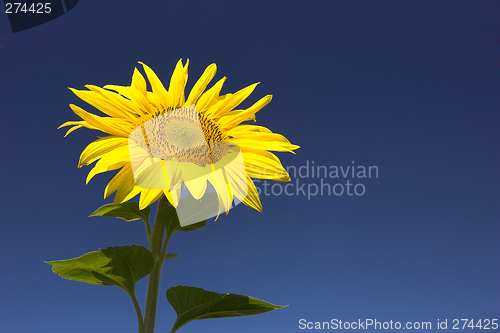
(166, 144)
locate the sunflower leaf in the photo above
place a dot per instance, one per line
(168, 217)
(128, 211)
(193, 226)
(192, 303)
(121, 266)
(171, 255)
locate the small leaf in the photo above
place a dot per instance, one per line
(121, 266)
(194, 226)
(128, 211)
(192, 303)
(168, 216)
(171, 255)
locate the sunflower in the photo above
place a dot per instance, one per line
(166, 144)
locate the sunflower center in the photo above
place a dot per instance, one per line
(182, 134)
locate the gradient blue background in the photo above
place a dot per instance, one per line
(409, 86)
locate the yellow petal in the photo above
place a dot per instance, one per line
(250, 197)
(260, 152)
(267, 173)
(183, 98)
(125, 91)
(120, 102)
(139, 92)
(265, 145)
(242, 129)
(201, 84)
(252, 155)
(237, 178)
(101, 167)
(126, 186)
(110, 161)
(176, 88)
(218, 181)
(222, 100)
(72, 129)
(158, 89)
(118, 180)
(172, 174)
(231, 120)
(173, 196)
(100, 147)
(148, 173)
(106, 101)
(148, 197)
(197, 187)
(113, 126)
(232, 102)
(259, 136)
(262, 167)
(210, 97)
(155, 102)
(76, 125)
(133, 193)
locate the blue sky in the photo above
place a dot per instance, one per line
(410, 87)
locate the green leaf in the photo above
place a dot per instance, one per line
(121, 266)
(171, 255)
(194, 226)
(192, 303)
(128, 211)
(168, 216)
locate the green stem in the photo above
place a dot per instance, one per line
(155, 245)
(148, 230)
(138, 312)
(165, 245)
